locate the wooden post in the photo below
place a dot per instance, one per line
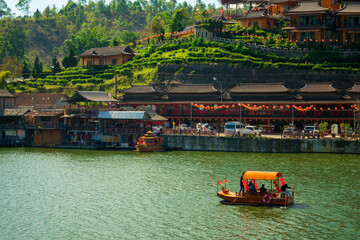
(116, 86)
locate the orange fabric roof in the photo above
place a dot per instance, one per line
(257, 175)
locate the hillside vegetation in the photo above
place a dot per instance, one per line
(143, 68)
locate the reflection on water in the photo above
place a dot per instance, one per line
(80, 194)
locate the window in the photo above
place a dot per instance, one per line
(101, 61)
(88, 63)
(114, 61)
(256, 24)
(309, 20)
(353, 21)
(357, 37)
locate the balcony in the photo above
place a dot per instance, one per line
(43, 125)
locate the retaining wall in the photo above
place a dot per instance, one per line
(261, 145)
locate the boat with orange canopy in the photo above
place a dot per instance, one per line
(149, 143)
(272, 196)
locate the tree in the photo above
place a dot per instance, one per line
(13, 65)
(178, 21)
(129, 37)
(13, 42)
(4, 9)
(69, 60)
(38, 68)
(23, 6)
(37, 15)
(3, 76)
(56, 65)
(157, 25)
(26, 70)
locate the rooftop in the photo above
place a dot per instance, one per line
(317, 88)
(349, 8)
(139, 89)
(193, 89)
(13, 112)
(307, 7)
(107, 51)
(259, 88)
(39, 99)
(5, 93)
(90, 96)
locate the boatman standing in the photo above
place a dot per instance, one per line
(241, 184)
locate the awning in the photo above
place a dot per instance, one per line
(257, 175)
(125, 115)
(90, 96)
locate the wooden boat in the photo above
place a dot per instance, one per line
(270, 197)
(149, 143)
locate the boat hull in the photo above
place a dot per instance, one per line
(254, 199)
(149, 148)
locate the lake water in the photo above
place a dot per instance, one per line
(84, 194)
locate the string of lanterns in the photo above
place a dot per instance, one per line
(269, 107)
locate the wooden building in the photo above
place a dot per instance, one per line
(258, 103)
(348, 22)
(144, 92)
(308, 22)
(193, 92)
(7, 100)
(12, 126)
(320, 91)
(258, 17)
(277, 7)
(41, 100)
(106, 56)
(46, 127)
(260, 92)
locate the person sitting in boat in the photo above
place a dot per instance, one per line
(283, 190)
(263, 189)
(252, 187)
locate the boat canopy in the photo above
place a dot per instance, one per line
(257, 175)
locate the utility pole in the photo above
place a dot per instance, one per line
(116, 86)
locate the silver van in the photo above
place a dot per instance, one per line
(233, 128)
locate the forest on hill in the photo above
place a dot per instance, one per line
(83, 24)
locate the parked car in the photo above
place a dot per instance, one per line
(291, 132)
(207, 127)
(204, 127)
(184, 127)
(310, 132)
(233, 128)
(252, 130)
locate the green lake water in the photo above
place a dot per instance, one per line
(84, 194)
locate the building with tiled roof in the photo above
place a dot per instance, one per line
(41, 100)
(188, 92)
(257, 17)
(348, 22)
(259, 92)
(106, 56)
(7, 99)
(308, 22)
(144, 92)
